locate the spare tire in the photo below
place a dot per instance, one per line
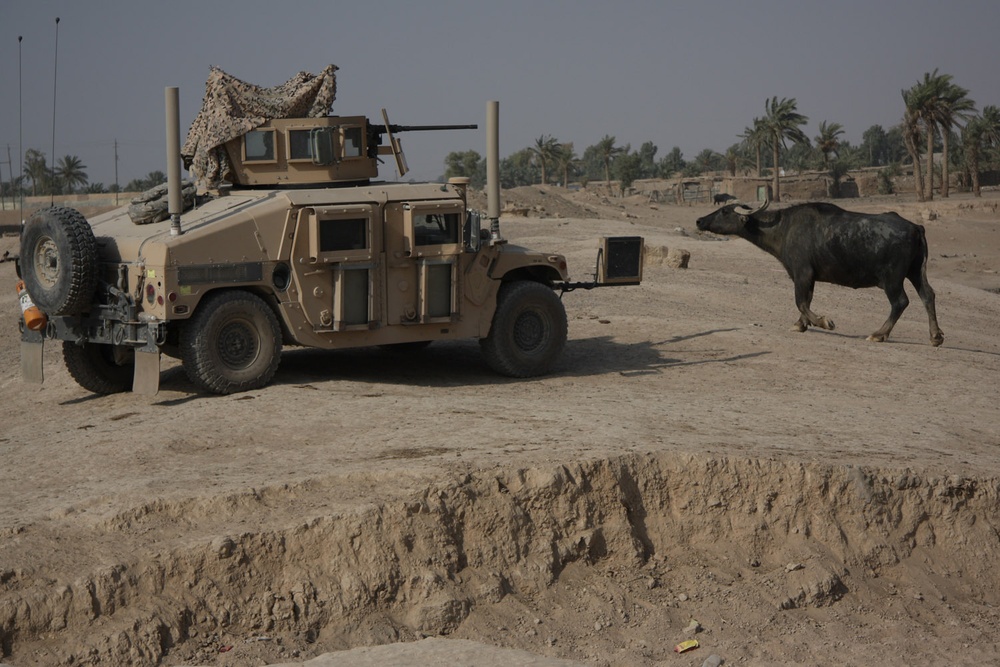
(59, 260)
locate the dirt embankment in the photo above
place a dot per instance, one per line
(805, 498)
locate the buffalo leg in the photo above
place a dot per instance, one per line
(803, 299)
(919, 279)
(898, 302)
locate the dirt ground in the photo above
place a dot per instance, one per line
(692, 470)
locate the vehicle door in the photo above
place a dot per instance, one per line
(423, 249)
(339, 282)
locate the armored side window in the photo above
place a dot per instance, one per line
(299, 146)
(436, 228)
(258, 146)
(343, 234)
(352, 142)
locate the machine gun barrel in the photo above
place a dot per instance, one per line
(392, 127)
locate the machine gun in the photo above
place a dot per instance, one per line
(388, 129)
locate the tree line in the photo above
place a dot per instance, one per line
(68, 176)
(938, 118)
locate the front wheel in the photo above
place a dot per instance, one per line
(528, 332)
(102, 369)
(232, 343)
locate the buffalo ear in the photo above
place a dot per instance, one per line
(748, 222)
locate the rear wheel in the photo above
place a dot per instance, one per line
(102, 369)
(528, 332)
(59, 260)
(232, 343)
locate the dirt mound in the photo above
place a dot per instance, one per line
(536, 201)
(610, 557)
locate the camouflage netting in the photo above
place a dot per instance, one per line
(232, 108)
(153, 204)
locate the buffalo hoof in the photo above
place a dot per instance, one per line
(799, 326)
(878, 338)
(937, 340)
(827, 323)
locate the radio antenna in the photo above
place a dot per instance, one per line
(20, 147)
(55, 71)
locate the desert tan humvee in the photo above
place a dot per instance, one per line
(304, 248)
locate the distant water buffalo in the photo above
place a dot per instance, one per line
(722, 198)
(823, 242)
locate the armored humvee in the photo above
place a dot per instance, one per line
(302, 247)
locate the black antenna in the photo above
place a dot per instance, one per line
(55, 71)
(20, 147)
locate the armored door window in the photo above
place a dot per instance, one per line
(432, 229)
(258, 146)
(343, 234)
(340, 234)
(435, 228)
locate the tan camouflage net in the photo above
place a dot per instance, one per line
(231, 108)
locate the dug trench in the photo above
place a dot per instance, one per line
(606, 561)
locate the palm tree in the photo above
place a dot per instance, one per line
(545, 150)
(827, 141)
(782, 122)
(608, 151)
(755, 138)
(567, 161)
(35, 169)
(980, 132)
(708, 160)
(954, 106)
(70, 172)
(939, 103)
(927, 95)
(911, 134)
(733, 159)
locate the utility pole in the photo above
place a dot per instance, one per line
(10, 172)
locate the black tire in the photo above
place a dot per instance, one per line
(102, 369)
(232, 343)
(59, 260)
(528, 332)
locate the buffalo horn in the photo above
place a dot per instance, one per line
(746, 210)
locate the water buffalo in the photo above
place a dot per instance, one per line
(722, 198)
(823, 242)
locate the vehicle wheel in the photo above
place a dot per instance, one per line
(232, 343)
(59, 260)
(528, 331)
(102, 369)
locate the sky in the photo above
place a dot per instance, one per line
(688, 74)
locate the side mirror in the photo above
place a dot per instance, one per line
(473, 232)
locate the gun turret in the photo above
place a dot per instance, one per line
(292, 152)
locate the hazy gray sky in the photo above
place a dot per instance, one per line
(690, 74)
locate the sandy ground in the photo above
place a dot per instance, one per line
(693, 469)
